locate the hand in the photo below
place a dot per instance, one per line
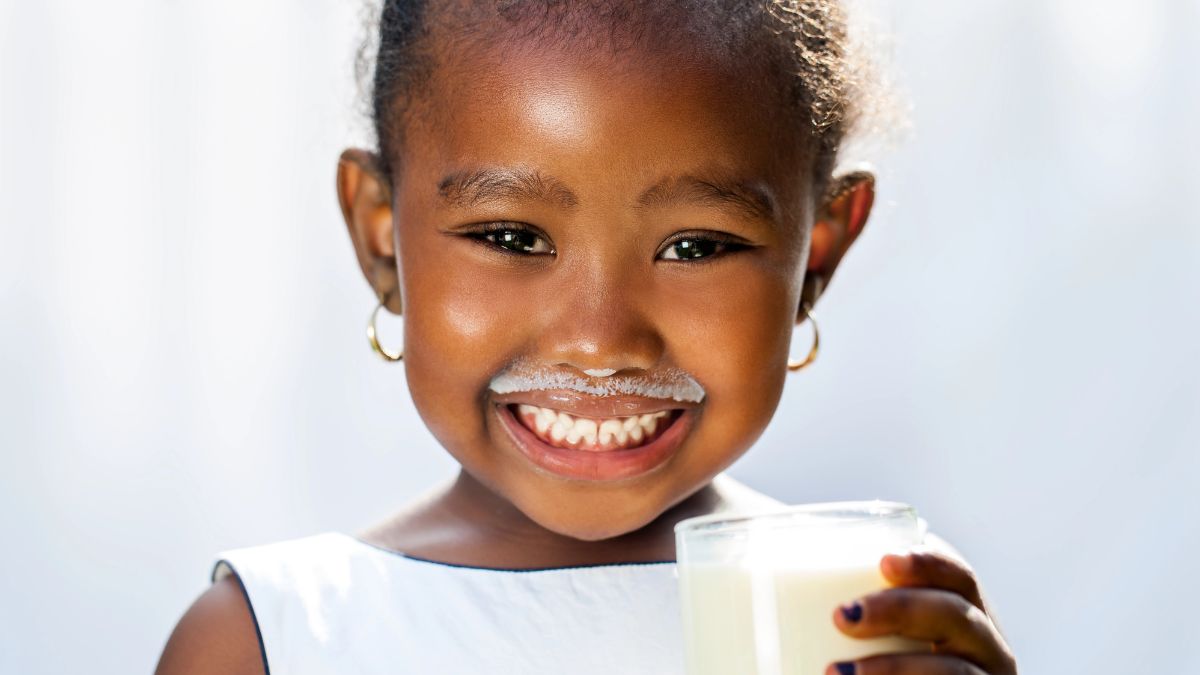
(937, 600)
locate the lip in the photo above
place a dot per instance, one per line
(587, 405)
(606, 466)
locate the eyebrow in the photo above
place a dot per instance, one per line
(750, 199)
(475, 186)
(472, 187)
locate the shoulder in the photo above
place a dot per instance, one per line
(217, 634)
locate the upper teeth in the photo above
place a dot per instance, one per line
(560, 426)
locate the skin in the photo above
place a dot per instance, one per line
(604, 299)
(606, 130)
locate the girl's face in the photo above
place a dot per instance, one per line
(622, 220)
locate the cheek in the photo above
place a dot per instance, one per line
(734, 337)
(458, 333)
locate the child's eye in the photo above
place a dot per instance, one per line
(693, 247)
(514, 238)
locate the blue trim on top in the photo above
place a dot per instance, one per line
(503, 569)
(262, 648)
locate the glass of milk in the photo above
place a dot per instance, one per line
(759, 590)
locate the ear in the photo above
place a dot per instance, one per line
(840, 220)
(365, 197)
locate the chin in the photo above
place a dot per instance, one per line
(590, 523)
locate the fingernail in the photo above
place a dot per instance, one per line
(852, 613)
(844, 668)
(900, 563)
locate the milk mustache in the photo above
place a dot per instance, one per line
(758, 596)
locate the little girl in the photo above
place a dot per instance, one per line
(600, 221)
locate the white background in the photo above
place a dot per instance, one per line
(1013, 346)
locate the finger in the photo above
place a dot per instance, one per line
(953, 625)
(905, 664)
(932, 570)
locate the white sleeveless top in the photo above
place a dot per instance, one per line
(330, 603)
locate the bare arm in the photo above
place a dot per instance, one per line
(217, 634)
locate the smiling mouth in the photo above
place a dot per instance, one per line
(561, 430)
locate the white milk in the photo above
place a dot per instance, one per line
(793, 633)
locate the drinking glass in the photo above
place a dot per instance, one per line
(758, 590)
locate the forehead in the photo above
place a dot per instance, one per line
(608, 119)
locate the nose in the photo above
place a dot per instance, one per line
(598, 321)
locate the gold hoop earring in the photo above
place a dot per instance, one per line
(816, 345)
(388, 356)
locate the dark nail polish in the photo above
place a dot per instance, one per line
(844, 668)
(852, 613)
